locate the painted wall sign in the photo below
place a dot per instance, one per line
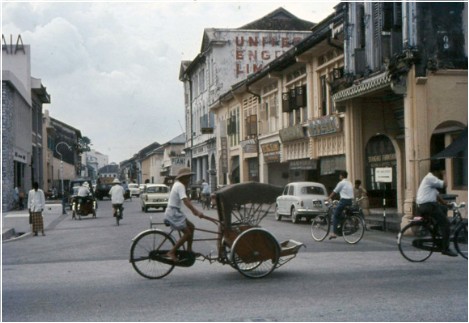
(252, 52)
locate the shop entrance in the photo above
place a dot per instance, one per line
(380, 152)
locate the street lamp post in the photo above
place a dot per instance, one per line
(62, 163)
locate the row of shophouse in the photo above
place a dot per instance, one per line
(155, 163)
(375, 85)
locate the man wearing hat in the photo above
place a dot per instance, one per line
(174, 215)
(83, 193)
(117, 195)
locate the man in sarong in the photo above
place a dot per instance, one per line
(36, 204)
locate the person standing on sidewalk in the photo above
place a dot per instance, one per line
(36, 204)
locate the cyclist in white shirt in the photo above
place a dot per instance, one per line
(176, 217)
(117, 195)
(429, 203)
(345, 189)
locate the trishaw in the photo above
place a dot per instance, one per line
(241, 242)
(82, 206)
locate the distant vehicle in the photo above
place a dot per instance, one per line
(102, 191)
(134, 189)
(154, 196)
(301, 200)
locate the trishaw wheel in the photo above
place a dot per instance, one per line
(145, 251)
(255, 253)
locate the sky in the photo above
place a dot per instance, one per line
(112, 68)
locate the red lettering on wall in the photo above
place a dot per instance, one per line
(265, 54)
(253, 41)
(239, 42)
(252, 55)
(239, 54)
(285, 42)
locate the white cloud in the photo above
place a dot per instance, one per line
(112, 68)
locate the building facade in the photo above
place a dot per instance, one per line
(22, 100)
(406, 66)
(229, 56)
(371, 90)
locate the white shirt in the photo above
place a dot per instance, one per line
(83, 191)
(428, 189)
(117, 194)
(345, 189)
(178, 193)
(205, 188)
(36, 200)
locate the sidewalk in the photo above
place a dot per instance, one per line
(15, 223)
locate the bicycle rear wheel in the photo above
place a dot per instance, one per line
(320, 227)
(460, 239)
(416, 242)
(353, 229)
(147, 254)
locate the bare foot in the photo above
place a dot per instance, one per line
(172, 256)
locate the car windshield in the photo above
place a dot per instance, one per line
(157, 189)
(312, 190)
(133, 186)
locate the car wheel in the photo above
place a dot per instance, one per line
(143, 208)
(146, 209)
(294, 215)
(278, 216)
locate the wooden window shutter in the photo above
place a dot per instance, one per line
(286, 102)
(301, 96)
(293, 105)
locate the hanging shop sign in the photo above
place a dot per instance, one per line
(303, 164)
(324, 125)
(292, 133)
(271, 152)
(249, 146)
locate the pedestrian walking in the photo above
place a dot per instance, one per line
(36, 204)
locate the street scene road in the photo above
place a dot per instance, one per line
(80, 271)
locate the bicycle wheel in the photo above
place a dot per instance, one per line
(416, 242)
(147, 254)
(460, 239)
(353, 229)
(320, 227)
(255, 253)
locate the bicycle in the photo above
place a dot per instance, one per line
(351, 226)
(420, 238)
(119, 213)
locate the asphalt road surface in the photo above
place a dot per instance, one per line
(80, 271)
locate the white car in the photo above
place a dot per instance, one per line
(154, 196)
(301, 200)
(134, 190)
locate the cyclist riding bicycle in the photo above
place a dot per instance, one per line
(430, 203)
(345, 189)
(174, 213)
(117, 196)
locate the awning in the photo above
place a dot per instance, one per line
(455, 148)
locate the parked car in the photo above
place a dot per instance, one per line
(301, 200)
(134, 189)
(154, 196)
